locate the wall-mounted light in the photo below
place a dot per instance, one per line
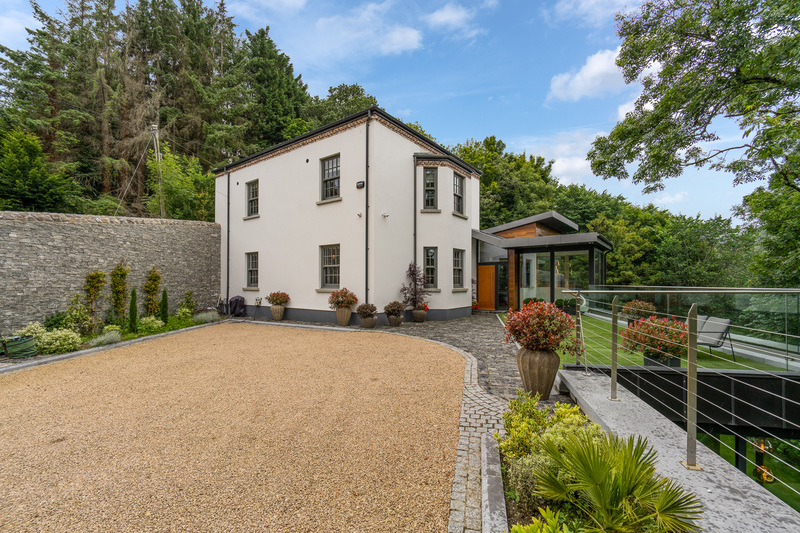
(385, 215)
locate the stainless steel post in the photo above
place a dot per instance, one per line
(691, 394)
(614, 319)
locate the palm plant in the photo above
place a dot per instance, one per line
(614, 482)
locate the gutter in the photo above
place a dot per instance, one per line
(228, 247)
(414, 174)
(366, 212)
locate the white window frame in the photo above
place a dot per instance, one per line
(251, 269)
(430, 266)
(251, 200)
(330, 175)
(330, 266)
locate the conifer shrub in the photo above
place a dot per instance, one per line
(150, 289)
(133, 313)
(119, 290)
(164, 307)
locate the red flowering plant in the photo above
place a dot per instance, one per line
(657, 338)
(278, 298)
(543, 327)
(342, 298)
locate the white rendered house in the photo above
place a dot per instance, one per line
(349, 205)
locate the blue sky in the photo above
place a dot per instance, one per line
(540, 75)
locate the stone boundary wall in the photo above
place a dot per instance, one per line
(45, 257)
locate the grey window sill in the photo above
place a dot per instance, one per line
(330, 200)
(326, 290)
(433, 289)
(430, 210)
(459, 215)
(460, 289)
(250, 289)
(251, 217)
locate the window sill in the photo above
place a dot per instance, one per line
(430, 210)
(330, 200)
(459, 215)
(460, 289)
(251, 217)
(326, 290)
(433, 289)
(250, 289)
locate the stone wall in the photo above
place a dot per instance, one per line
(44, 259)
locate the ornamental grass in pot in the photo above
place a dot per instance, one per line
(342, 301)
(541, 329)
(278, 301)
(394, 312)
(368, 315)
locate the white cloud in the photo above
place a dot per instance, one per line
(12, 28)
(594, 13)
(625, 108)
(568, 150)
(598, 76)
(665, 199)
(401, 39)
(451, 16)
(456, 19)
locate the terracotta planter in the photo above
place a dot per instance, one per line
(277, 312)
(538, 371)
(369, 322)
(419, 315)
(343, 315)
(395, 320)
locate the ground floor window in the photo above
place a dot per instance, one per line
(329, 258)
(430, 254)
(458, 269)
(251, 261)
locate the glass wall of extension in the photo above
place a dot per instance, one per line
(539, 257)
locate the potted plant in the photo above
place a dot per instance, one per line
(475, 306)
(342, 301)
(368, 315)
(278, 301)
(415, 293)
(637, 310)
(394, 312)
(541, 329)
(661, 341)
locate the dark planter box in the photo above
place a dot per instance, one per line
(19, 347)
(674, 362)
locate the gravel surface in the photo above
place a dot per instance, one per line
(234, 427)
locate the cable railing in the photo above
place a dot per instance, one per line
(684, 358)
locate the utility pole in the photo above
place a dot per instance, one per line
(154, 133)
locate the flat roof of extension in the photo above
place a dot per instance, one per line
(571, 240)
(550, 219)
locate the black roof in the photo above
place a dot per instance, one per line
(373, 110)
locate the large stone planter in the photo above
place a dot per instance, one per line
(395, 320)
(343, 315)
(538, 371)
(419, 315)
(277, 312)
(369, 322)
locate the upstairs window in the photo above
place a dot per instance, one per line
(251, 191)
(430, 267)
(458, 194)
(458, 269)
(430, 188)
(330, 178)
(251, 261)
(329, 266)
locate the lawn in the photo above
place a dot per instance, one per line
(597, 335)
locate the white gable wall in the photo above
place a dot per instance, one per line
(291, 226)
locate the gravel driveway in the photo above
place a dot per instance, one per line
(234, 427)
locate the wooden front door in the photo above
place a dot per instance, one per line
(486, 286)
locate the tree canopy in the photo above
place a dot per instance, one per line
(697, 62)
